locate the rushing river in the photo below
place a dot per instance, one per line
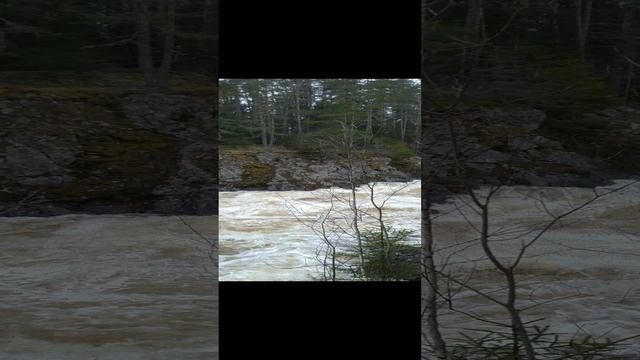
(581, 277)
(269, 235)
(108, 287)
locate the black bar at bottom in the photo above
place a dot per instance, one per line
(323, 320)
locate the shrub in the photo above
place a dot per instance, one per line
(389, 257)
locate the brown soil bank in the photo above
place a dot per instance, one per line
(69, 149)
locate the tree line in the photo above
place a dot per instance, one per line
(155, 36)
(293, 112)
(561, 54)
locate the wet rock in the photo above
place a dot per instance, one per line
(579, 163)
(128, 153)
(527, 119)
(283, 169)
(514, 146)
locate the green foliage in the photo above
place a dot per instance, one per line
(313, 116)
(531, 58)
(388, 256)
(234, 134)
(498, 345)
(396, 149)
(98, 35)
(570, 85)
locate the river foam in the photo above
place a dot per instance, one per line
(582, 276)
(264, 235)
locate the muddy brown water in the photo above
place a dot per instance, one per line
(107, 287)
(581, 277)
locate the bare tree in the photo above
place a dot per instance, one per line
(298, 86)
(583, 22)
(472, 47)
(155, 76)
(347, 218)
(480, 206)
(433, 336)
(347, 145)
(210, 243)
(329, 227)
(444, 279)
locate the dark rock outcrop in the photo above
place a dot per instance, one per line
(283, 169)
(522, 146)
(107, 154)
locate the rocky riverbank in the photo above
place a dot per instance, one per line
(286, 169)
(516, 145)
(68, 150)
(509, 145)
(105, 150)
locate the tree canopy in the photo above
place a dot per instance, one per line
(560, 55)
(296, 112)
(108, 34)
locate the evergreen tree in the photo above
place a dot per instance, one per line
(295, 112)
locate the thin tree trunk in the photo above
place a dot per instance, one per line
(369, 128)
(583, 21)
(429, 270)
(298, 115)
(238, 108)
(272, 129)
(2, 41)
(169, 43)
(208, 21)
(517, 326)
(384, 236)
(393, 121)
(555, 23)
(263, 132)
(621, 68)
(309, 94)
(284, 126)
(270, 122)
(403, 124)
(143, 40)
(474, 18)
(516, 321)
(258, 114)
(333, 263)
(418, 127)
(356, 226)
(473, 26)
(353, 201)
(627, 89)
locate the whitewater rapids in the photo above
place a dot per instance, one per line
(265, 235)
